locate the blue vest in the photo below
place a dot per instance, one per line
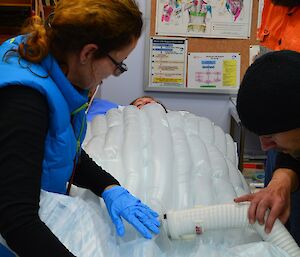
(65, 133)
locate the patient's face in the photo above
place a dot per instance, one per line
(140, 102)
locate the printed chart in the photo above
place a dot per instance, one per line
(214, 70)
(199, 18)
(168, 62)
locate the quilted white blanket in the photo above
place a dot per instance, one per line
(173, 162)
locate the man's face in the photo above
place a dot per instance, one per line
(286, 142)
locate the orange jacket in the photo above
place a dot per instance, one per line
(280, 27)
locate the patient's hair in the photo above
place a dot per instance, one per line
(135, 102)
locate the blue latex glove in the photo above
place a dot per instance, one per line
(120, 203)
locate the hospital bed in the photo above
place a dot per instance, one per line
(181, 165)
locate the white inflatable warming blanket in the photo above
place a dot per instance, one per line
(177, 161)
(171, 161)
(181, 165)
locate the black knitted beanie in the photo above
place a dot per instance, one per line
(268, 100)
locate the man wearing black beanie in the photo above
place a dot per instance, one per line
(280, 29)
(268, 104)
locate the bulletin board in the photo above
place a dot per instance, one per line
(200, 45)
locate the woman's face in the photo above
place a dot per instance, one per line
(86, 72)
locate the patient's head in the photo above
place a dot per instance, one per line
(143, 100)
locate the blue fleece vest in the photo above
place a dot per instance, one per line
(65, 133)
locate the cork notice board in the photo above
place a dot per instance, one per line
(198, 45)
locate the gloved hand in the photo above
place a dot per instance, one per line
(120, 203)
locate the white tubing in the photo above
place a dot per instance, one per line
(132, 150)
(114, 134)
(199, 155)
(161, 154)
(98, 125)
(218, 163)
(191, 123)
(220, 139)
(182, 164)
(238, 181)
(198, 220)
(231, 150)
(93, 147)
(206, 129)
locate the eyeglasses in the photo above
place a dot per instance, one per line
(120, 66)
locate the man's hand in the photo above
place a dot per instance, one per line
(275, 198)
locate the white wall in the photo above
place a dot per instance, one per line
(128, 86)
